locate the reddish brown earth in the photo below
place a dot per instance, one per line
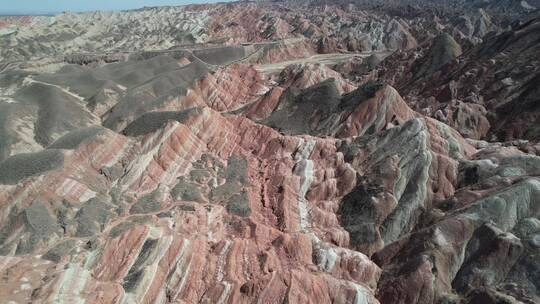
(187, 175)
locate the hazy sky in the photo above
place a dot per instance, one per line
(54, 6)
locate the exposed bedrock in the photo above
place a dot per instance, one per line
(401, 172)
(265, 152)
(321, 110)
(306, 75)
(186, 196)
(473, 241)
(486, 91)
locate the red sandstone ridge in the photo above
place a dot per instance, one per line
(303, 76)
(224, 149)
(271, 152)
(230, 88)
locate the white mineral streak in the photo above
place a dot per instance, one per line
(222, 260)
(149, 150)
(209, 220)
(91, 259)
(304, 169)
(71, 284)
(29, 80)
(226, 290)
(328, 255)
(362, 295)
(178, 279)
(104, 155)
(78, 190)
(189, 153)
(205, 129)
(186, 155)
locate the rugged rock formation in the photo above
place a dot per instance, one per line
(306, 75)
(211, 167)
(443, 50)
(473, 249)
(494, 81)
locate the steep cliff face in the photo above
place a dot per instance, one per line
(266, 172)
